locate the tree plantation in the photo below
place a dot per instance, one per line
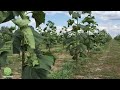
(83, 52)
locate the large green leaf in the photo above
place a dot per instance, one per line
(41, 73)
(1, 42)
(3, 15)
(17, 37)
(10, 17)
(21, 13)
(45, 62)
(39, 17)
(27, 31)
(33, 73)
(38, 71)
(89, 19)
(38, 37)
(3, 58)
(26, 73)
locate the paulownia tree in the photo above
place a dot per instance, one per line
(35, 65)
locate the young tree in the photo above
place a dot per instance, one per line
(50, 34)
(75, 41)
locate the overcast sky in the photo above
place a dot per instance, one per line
(109, 20)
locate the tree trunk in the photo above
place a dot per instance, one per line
(0, 74)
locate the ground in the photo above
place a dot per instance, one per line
(15, 65)
(100, 65)
(103, 65)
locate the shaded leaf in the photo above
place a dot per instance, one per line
(17, 37)
(45, 62)
(76, 15)
(70, 12)
(3, 15)
(33, 73)
(39, 17)
(3, 58)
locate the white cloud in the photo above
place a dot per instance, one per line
(57, 12)
(107, 15)
(112, 29)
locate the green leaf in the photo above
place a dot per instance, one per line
(75, 15)
(17, 37)
(70, 12)
(70, 22)
(3, 58)
(3, 15)
(21, 13)
(9, 17)
(7, 37)
(26, 74)
(35, 62)
(75, 28)
(39, 17)
(45, 62)
(1, 42)
(41, 73)
(27, 31)
(33, 73)
(38, 37)
(81, 26)
(21, 22)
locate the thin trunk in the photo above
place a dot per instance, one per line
(0, 73)
(23, 57)
(76, 46)
(63, 45)
(49, 49)
(89, 43)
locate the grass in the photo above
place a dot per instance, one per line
(103, 64)
(65, 73)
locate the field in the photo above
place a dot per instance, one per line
(80, 49)
(103, 64)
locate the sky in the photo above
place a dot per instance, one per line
(108, 20)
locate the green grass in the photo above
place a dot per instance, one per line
(65, 73)
(102, 64)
